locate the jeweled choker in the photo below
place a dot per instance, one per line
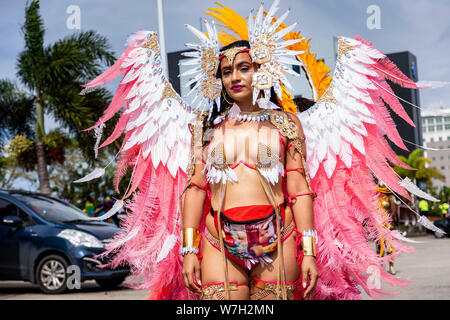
(251, 116)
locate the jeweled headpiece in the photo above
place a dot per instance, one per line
(265, 34)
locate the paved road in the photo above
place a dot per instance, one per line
(15, 290)
(428, 268)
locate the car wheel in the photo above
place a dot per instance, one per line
(439, 235)
(51, 274)
(109, 283)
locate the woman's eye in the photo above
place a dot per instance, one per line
(244, 69)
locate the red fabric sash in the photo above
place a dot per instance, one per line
(248, 213)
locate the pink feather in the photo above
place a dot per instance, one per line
(389, 97)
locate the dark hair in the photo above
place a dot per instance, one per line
(303, 103)
(224, 105)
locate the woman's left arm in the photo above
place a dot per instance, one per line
(301, 199)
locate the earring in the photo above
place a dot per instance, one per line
(223, 94)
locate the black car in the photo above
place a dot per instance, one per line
(444, 225)
(52, 243)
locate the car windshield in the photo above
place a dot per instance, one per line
(52, 209)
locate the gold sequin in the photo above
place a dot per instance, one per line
(265, 289)
(328, 96)
(261, 51)
(211, 88)
(168, 92)
(152, 43)
(209, 61)
(216, 291)
(289, 129)
(262, 80)
(266, 158)
(231, 53)
(217, 157)
(196, 145)
(344, 47)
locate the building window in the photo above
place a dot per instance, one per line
(447, 127)
(440, 138)
(439, 120)
(434, 158)
(447, 119)
(439, 127)
(430, 120)
(431, 128)
(431, 139)
(442, 167)
(424, 129)
(442, 157)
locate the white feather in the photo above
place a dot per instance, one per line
(169, 243)
(97, 173)
(118, 205)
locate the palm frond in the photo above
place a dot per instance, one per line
(30, 60)
(16, 111)
(78, 57)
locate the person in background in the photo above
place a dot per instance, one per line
(423, 207)
(388, 204)
(89, 206)
(444, 209)
(107, 204)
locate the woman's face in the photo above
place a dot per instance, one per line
(237, 78)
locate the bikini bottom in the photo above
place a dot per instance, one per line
(249, 264)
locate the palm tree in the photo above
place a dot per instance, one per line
(50, 78)
(421, 173)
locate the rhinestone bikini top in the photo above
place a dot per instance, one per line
(268, 162)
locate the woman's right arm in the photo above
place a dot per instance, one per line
(194, 198)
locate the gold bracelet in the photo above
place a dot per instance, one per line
(308, 246)
(191, 237)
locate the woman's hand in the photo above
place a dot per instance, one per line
(191, 273)
(309, 274)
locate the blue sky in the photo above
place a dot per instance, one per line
(419, 26)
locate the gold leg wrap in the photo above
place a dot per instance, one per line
(265, 289)
(216, 291)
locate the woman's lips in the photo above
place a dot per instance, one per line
(237, 88)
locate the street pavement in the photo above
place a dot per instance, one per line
(428, 269)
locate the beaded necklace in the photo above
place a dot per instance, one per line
(257, 116)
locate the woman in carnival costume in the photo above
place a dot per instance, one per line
(238, 196)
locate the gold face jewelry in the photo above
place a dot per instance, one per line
(231, 53)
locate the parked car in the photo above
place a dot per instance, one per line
(444, 225)
(41, 237)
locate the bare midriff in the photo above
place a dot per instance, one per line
(248, 190)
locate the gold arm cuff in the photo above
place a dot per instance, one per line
(308, 246)
(191, 237)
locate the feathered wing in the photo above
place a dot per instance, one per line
(156, 145)
(345, 144)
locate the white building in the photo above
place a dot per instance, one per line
(436, 134)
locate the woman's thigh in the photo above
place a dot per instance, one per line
(270, 272)
(212, 271)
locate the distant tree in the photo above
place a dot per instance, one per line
(421, 173)
(50, 78)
